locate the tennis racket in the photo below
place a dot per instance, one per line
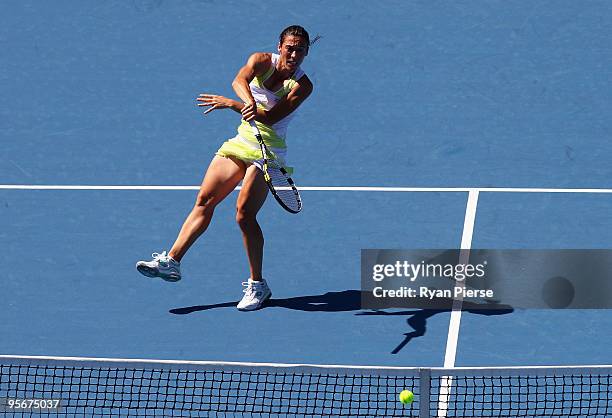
(280, 184)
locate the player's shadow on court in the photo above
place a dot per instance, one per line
(418, 320)
(344, 301)
(350, 301)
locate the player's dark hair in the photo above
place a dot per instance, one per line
(297, 30)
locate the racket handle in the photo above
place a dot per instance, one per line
(254, 128)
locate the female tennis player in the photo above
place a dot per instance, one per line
(271, 87)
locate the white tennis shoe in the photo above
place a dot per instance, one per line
(162, 266)
(255, 294)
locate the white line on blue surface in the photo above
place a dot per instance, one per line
(455, 319)
(313, 188)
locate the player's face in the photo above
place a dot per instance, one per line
(293, 50)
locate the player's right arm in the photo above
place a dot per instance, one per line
(257, 64)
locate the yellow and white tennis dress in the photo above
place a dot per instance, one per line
(244, 146)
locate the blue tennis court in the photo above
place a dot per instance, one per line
(431, 125)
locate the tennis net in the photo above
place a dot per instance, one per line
(117, 387)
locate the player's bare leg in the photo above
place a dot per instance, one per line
(222, 176)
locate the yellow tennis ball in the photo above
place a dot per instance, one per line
(406, 397)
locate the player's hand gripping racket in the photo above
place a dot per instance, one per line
(280, 184)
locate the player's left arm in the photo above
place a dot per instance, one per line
(287, 104)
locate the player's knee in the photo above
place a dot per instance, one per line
(245, 218)
(205, 202)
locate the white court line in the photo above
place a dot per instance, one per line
(14, 357)
(506, 370)
(455, 319)
(309, 188)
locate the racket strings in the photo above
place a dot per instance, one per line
(283, 188)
